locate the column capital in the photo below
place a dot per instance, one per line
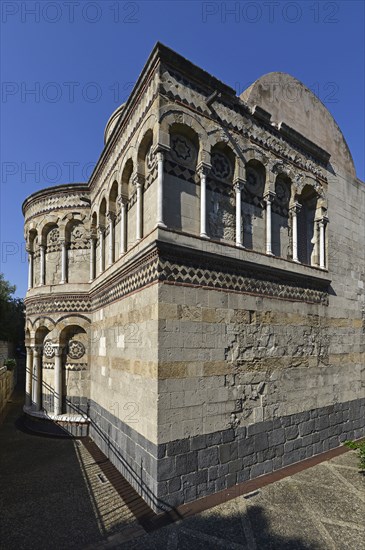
(58, 349)
(323, 221)
(122, 199)
(239, 184)
(37, 350)
(101, 230)
(138, 180)
(295, 207)
(203, 168)
(93, 234)
(269, 196)
(161, 149)
(110, 216)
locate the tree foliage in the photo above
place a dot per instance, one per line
(11, 313)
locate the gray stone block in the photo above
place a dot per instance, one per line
(227, 452)
(213, 439)
(235, 466)
(220, 484)
(260, 427)
(306, 427)
(174, 485)
(187, 463)
(261, 442)
(286, 421)
(194, 478)
(231, 479)
(198, 442)
(161, 450)
(162, 488)
(208, 457)
(228, 435)
(166, 468)
(246, 446)
(213, 473)
(258, 470)
(243, 475)
(178, 447)
(291, 432)
(276, 437)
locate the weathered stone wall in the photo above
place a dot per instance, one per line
(123, 393)
(209, 363)
(6, 351)
(7, 382)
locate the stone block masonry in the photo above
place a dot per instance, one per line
(201, 297)
(176, 472)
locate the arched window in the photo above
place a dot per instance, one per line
(253, 206)
(280, 217)
(181, 191)
(220, 194)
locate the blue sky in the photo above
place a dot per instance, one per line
(65, 66)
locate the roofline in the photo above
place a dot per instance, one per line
(162, 53)
(83, 187)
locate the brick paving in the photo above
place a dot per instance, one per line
(62, 493)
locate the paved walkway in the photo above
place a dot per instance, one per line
(52, 496)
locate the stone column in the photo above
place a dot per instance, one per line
(42, 251)
(203, 172)
(111, 221)
(101, 249)
(322, 242)
(92, 258)
(138, 182)
(123, 225)
(268, 199)
(63, 262)
(160, 185)
(238, 189)
(37, 377)
(28, 376)
(30, 269)
(58, 379)
(295, 209)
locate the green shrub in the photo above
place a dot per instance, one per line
(10, 364)
(360, 447)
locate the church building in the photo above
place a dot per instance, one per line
(198, 306)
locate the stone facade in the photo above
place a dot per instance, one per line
(198, 305)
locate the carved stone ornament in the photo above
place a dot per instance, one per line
(182, 150)
(54, 235)
(76, 349)
(48, 349)
(221, 166)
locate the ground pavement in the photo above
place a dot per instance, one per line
(64, 494)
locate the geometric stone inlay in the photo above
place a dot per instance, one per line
(48, 349)
(221, 167)
(76, 349)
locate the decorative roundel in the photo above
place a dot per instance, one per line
(221, 167)
(182, 149)
(76, 349)
(48, 349)
(54, 235)
(253, 181)
(150, 159)
(77, 233)
(282, 192)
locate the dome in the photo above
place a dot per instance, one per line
(110, 125)
(289, 101)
